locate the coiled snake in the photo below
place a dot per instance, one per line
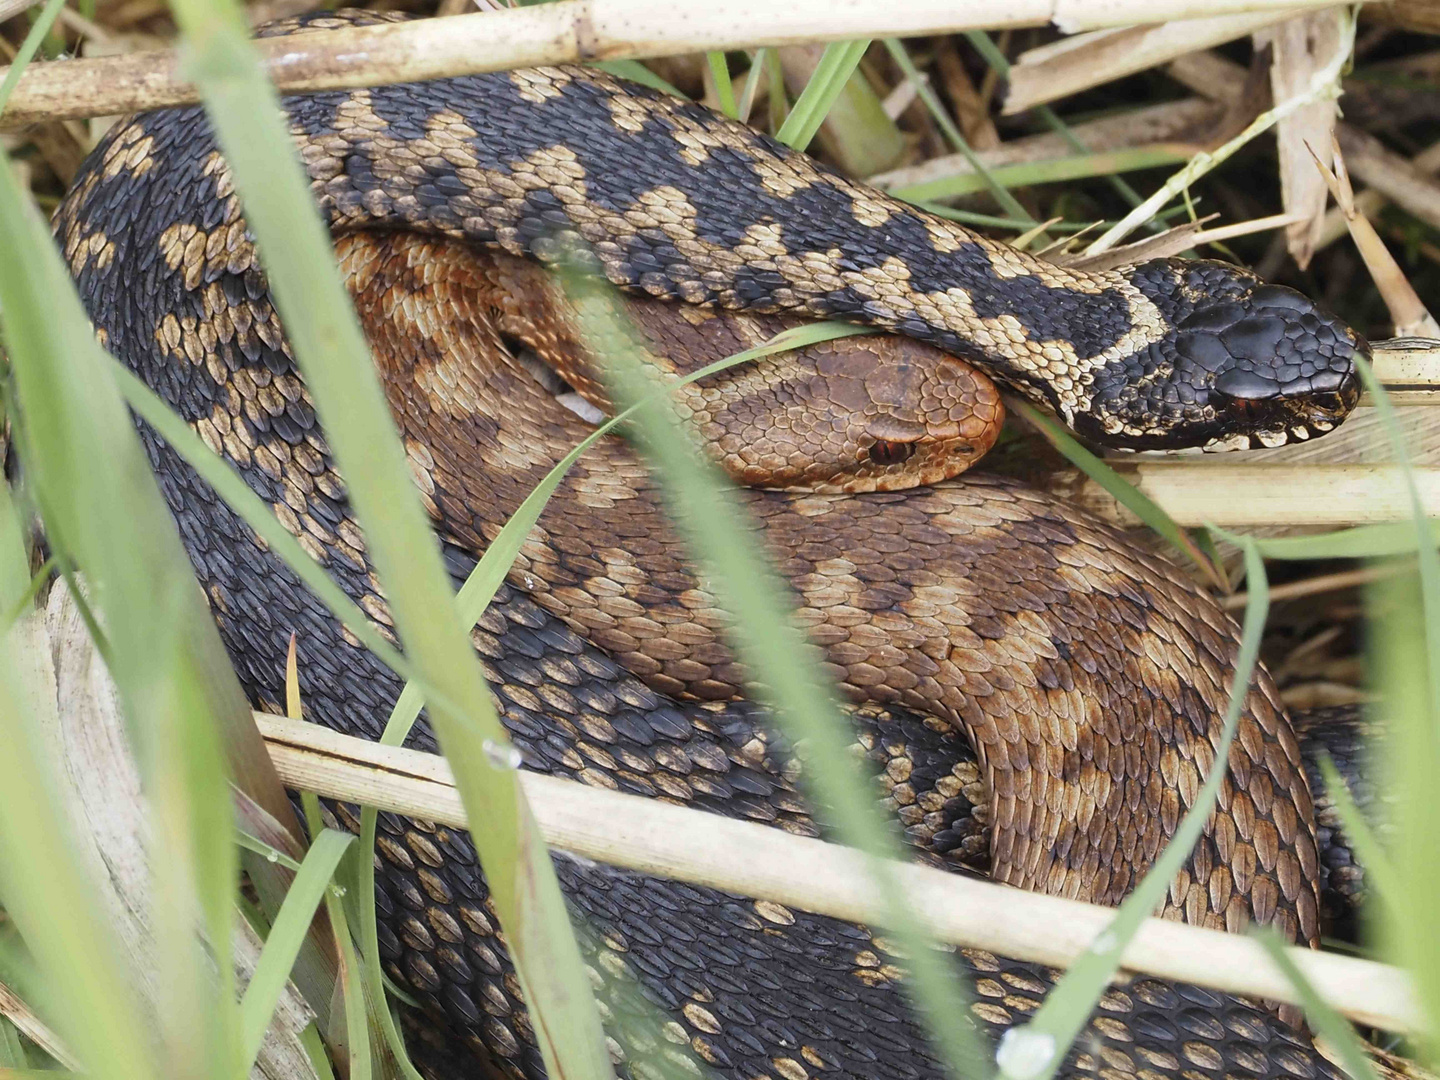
(1090, 677)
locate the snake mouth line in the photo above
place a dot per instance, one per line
(1280, 422)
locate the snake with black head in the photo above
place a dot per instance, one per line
(1090, 677)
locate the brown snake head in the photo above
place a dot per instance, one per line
(1244, 365)
(870, 413)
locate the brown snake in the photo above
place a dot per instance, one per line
(1088, 782)
(1090, 677)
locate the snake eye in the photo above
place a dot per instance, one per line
(889, 452)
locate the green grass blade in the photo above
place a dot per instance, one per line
(1405, 651)
(1397, 657)
(12, 1051)
(351, 977)
(287, 934)
(315, 1051)
(1425, 553)
(164, 652)
(752, 81)
(329, 348)
(1067, 1008)
(1077, 166)
(15, 584)
(1125, 493)
(186, 774)
(38, 581)
(1328, 1023)
(836, 65)
(781, 661)
(1002, 195)
(724, 88)
(265, 851)
(1361, 542)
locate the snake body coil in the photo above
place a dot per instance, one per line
(1090, 677)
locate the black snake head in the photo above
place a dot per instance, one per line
(1243, 365)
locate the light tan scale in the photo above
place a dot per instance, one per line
(1090, 678)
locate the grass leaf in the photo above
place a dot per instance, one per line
(1361, 542)
(724, 88)
(287, 934)
(330, 351)
(836, 65)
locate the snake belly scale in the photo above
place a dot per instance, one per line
(1090, 677)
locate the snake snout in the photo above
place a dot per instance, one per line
(1246, 364)
(1286, 367)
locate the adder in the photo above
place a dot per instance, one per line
(1089, 676)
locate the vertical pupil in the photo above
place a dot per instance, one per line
(886, 452)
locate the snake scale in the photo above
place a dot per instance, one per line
(1089, 677)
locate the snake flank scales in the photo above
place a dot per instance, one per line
(1042, 699)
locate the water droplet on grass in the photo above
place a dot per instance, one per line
(502, 755)
(1025, 1053)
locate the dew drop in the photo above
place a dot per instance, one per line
(502, 755)
(272, 856)
(1025, 1053)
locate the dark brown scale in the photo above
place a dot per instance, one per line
(701, 980)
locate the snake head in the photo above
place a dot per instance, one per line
(1243, 365)
(856, 414)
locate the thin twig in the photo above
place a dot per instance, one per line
(1321, 583)
(1250, 495)
(570, 31)
(1407, 310)
(33, 1028)
(743, 857)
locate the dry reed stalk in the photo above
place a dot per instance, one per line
(1408, 366)
(1320, 583)
(1398, 178)
(1300, 47)
(755, 860)
(33, 1028)
(569, 31)
(1407, 311)
(1371, 201)
(1071, 65)
(1252, 495)
(1170, 122)
(10, 8)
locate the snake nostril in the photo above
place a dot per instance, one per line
(889, 452)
